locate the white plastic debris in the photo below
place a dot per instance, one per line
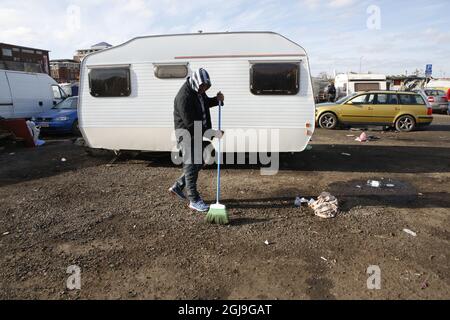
(390, 185)
(324, 259)
(63, 159)
(326, 206)
(300, 201)
(374, 183)
(267, 242)
(346, 154)
(410, 232)
(5, 233)
(359, 187)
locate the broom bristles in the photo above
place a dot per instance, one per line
(217, 216)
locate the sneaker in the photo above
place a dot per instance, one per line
(176, 191)
(199, 206)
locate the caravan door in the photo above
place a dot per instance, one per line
(6, 103)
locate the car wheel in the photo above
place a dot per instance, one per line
(328, 121)
(76, 129)
(405, 124)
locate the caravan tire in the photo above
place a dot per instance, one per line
(328, 121)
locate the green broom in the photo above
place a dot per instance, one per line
(217, 212)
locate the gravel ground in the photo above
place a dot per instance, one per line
(133, 241)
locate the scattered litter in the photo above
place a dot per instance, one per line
(5, 233)
(362, 137)
(309, 147)
(390, 185)
(267, 243)
(410, 232)
(80, 142)
(324, 259)
(420, 194)
(374, 183)
(300, 201)
(63, 159)
(311, 201)
(359, 187)
(350, 135)
(326, 206)
(346, 154)
(424, 285)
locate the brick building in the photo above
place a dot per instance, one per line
(65, 70)
(13, 57)
(81, 53)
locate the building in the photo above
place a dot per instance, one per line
(81, 53)
(65, 70)
(13, 57)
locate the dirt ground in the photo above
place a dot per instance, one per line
(133, 241)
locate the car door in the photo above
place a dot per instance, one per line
(385, 108)
(356, 110)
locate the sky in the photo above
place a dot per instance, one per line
(378, 36)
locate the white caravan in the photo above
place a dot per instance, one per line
(24, 94)
(127, 92)
(350, 83)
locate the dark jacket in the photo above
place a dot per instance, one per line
(187, 109)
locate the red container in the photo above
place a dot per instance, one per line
(20, 129)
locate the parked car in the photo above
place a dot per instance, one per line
(437, 99)
(62, 118)
(403, 110)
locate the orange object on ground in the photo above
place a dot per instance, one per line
(20, 129)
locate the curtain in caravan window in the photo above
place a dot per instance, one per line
(110, 82)
(275, 78)
(366, 86)
(171, 71)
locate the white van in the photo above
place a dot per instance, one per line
(349, 83)
(24, 94)
(127, 92)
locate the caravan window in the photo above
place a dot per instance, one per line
(171, 71)
(110, 82)
(274, 78)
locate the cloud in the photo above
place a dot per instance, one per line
(340, 3)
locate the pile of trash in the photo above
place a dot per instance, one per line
(326, 206)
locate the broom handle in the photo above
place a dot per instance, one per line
(219, 153)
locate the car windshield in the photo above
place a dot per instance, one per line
(342, 100)
(69, 103)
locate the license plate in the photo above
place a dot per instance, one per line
(44, 124)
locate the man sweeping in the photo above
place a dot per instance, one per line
(191, 111)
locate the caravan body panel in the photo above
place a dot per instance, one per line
(144, 120)
(347, 84)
